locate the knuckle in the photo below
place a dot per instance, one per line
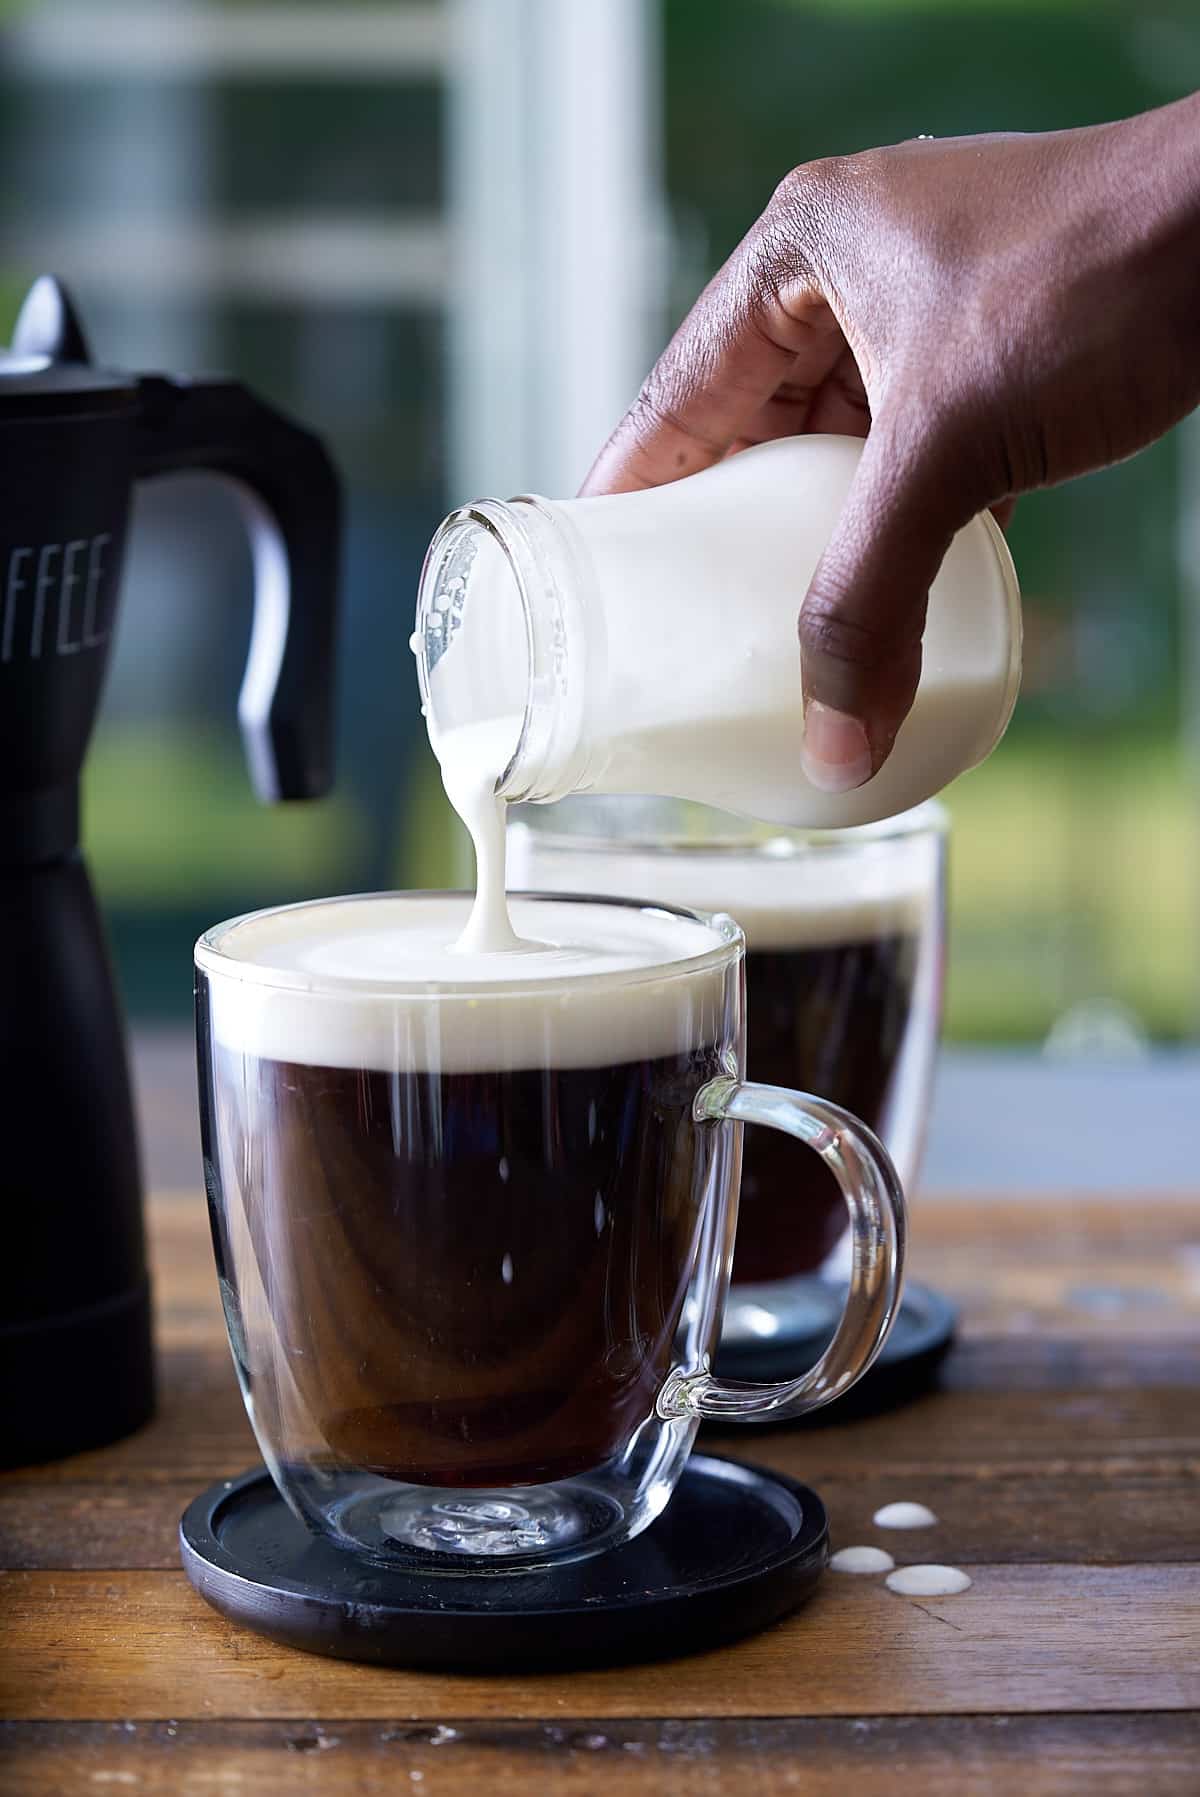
(790, 193)
(828, 631)
(650, 412)
(665, 390)
(807, 193)
(661, 407)
(799, 226)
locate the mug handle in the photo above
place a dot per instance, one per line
(875, 1199)
(290, 498)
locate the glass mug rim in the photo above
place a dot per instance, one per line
(781, 844)
(216, 961)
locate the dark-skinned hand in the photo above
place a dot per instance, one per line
(993, 314)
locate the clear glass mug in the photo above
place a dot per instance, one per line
(474, 1241)
(845, 936)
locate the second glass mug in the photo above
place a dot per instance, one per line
(845, 933)
(474, 1239)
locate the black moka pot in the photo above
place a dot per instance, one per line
(75, 1349)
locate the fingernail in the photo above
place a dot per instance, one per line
(836, 754)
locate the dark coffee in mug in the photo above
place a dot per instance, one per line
(479, 1274)
(829, 1017)
(472, 1218)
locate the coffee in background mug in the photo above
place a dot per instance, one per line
(845, 943)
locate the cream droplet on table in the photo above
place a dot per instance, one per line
(928, 1581)
(861, 1559)
(904, 1516)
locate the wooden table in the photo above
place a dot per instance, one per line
(1062, 1455)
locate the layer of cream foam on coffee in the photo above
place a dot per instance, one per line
(807, 899)
(374, 983)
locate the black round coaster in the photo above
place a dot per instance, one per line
(736, 1549)
(907, 1365)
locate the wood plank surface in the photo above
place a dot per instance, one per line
(141, 1645)
(1111, 1512)
(1061, 1455)
(201, 1434)
(970, 1756)
(1078, 1266)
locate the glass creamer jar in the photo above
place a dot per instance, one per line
(646, 642)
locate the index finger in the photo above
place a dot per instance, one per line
(738, 343)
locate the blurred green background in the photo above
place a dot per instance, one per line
(153, 180)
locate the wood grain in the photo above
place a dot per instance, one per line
(1104, 1270)
(1118, 1512)
(141, 1645)
(201, 1432)
(1062, 1456)
(970, 1756)
(1098, 1362)
(1148, 1243)
(1079, 1267)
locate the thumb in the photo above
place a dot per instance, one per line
(864, 613)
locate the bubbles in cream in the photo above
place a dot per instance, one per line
(475, 716)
